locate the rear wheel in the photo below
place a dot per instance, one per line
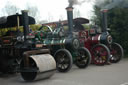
(63, 60)
(100, 54)
(84, 58)
(116, 53)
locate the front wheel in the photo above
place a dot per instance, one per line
(116, 53)
(100, 54)
(84, 58)
(63, 60)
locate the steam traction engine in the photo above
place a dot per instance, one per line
(100, 53)
(64, 46)
(18, 53)
(116, 49)
(100, 44)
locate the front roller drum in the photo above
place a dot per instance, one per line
(116, 52)
(83, 59)
(39, 67)
(100, 54)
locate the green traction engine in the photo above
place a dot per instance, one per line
(63, 44)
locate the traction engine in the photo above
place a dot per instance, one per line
(18, 53)
(64, 45)
(101, 45)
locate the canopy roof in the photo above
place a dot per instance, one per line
(11, 21)
(65, 22)
(81, 20)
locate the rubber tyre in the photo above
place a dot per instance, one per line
(84, 55)
(62, 58)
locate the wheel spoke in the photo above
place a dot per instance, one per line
(64, 60)
(62, 66)
(82, 59)
(100, 54)
(63, 55)
(116, 52)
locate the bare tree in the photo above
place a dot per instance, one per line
(50, 17)
(33, 11)
(76, 13)
(10, 9)
(61, 17)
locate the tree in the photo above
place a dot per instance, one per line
(33, 11)
(117, 22)
(76, 13)
(50, 17)
(10, 9)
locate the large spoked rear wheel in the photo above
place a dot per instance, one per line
(116, 53)
(100, 54)
(84, 58)
(63, 60)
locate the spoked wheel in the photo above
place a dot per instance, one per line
(116, 53)
(63, 60)
(84, 58)
(100, 54)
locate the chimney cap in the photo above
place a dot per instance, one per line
(104, 10)
(25, 11)
(69, 8)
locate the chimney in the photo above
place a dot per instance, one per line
(70, 19)
(25, 23)
(104, 20)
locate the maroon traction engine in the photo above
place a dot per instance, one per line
(100, 44)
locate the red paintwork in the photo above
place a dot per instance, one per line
(84, 36)
(104, 10)
(89, 42)
(95, 39)
(99, 57)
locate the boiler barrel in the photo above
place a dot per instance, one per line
(40, 67)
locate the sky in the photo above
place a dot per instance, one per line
(53, 8)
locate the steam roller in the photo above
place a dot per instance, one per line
(37, 65)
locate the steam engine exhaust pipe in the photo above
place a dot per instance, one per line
(70, 19)
(25, 23)
(104, 20)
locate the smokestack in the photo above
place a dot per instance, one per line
(25, 22)
(70, 19)
(104, 20)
